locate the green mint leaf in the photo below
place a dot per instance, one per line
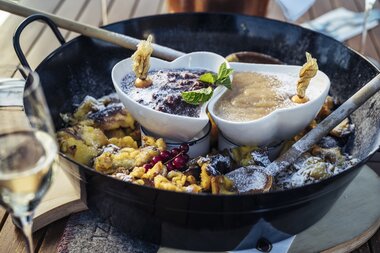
(227, 73)
(222, 70)
(224, 76)
(226, 82)
(197, 97)
(208, 78)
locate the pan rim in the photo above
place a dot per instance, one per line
(46, 60)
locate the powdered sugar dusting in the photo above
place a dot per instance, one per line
(309, 169)
(165, 92)
(289, 87)
(255, 95)
(249, 178)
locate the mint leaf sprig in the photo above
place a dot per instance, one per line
(197, 97)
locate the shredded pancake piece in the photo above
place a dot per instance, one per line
(307, 72)
(141, 62)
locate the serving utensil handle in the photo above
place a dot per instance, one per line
(90, 31)
(323, 128)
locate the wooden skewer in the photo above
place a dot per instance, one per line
(281, 163)
(311, 138)
(323, 128)
(90, 31)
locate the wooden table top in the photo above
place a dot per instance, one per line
(38, 42)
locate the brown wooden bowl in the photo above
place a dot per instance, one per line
(252, 57)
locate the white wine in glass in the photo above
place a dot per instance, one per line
(27, 154)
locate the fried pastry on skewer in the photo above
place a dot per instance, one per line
(141, 62)
(307, 72)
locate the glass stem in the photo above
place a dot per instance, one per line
(367, 11)
(364, 32)
(25, 223)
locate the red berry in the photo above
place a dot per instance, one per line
(175, 151)
(170, 166)
(147, 166)
(166, 155)
(185, 157)
(156, 159)
(184, 147)
(179, 162)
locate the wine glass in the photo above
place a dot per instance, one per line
(27, 153)
(367, 11)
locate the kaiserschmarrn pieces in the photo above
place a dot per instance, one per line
(102, 134)
(123, 142)
(106, 113)
(81, 142)
(125, 158)
(158, 143)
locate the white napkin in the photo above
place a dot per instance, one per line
(340, 23)
(279, 247)
(11, 91)
(293, 9)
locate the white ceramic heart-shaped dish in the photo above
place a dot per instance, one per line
(281, 124)
(176, 127)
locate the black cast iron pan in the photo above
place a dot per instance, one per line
(205, 222)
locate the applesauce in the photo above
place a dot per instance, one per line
(253, 96)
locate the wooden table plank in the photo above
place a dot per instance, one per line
(373, 34)
(121, 10)
(321, 8)
(91, 15)
(12, 240)
(3, 217)
(146, 7)
(53, 234)
(274, 11)
(47, 41)
(7, 54)
(370, 49)
(305, 17)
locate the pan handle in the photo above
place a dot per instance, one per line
(20, 28)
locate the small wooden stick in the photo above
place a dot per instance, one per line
(307, 72)
(323, 128)
(141, 62)
(90, 31)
